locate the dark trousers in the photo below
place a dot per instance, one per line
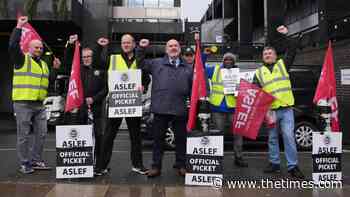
(98, 137)
(98, 129)
(112, 127)
(160, 125)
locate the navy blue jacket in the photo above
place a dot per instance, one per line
(170, 85)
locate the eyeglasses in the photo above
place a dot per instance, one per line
(87, 56)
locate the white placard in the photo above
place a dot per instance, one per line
(205, 145)
(204, 160)
(230, 80)
(74, 149)
(345, 76)
(125, 95)
(326, 156)
(247, 75)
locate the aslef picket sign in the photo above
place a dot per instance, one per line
(125, 96)
(327, 156)
(74, 151)
(204, 160)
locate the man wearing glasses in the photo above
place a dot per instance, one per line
(93, 78)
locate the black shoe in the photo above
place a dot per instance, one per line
(40, 165)
(272, 168)
(141, 170)
(98, 173)
(296, 173)
(154, 172)
(241, 163)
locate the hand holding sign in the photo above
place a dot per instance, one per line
(21, 21)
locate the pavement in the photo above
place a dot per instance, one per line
(122, 182)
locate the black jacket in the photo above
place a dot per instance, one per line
(93, 78)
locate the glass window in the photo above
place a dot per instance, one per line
(151, 3)
(135, 3)
(166, 3)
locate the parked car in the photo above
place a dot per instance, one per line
(304, 79)
(55, 102)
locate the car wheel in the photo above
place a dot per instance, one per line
(303, 134)
(170, 138)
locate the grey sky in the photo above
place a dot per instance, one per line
(194, 9)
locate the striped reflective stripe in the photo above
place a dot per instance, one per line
(217, 70)
(30, 87)
(261, 77)
(280, 90)
(31, 75)
(216, 83)
(114, 65)
(29, 71)
(283, 73)
(279, 64)
(276, 80)
(217, 92)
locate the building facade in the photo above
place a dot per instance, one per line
(54, 20)
(255, 21)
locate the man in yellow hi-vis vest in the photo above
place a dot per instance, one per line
(29, 89)
(273, 77)
(223, 105)
(128, 59)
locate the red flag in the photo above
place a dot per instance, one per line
(326, 87)
(198, 88)
(75, 91)
(251, 106)
(28, 34)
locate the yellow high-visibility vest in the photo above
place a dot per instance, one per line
(217, 91)
(276, 83)
(117, 63)
(31, 81)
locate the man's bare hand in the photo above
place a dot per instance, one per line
(73, 38)
(56, 63)
(22, 21)
(144, 43)
(103, 41)
(282, 29)
(141, 88)
(196, 36)
(89, 100)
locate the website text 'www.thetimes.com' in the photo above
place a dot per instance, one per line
(275, 184)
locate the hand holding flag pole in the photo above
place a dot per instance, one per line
(28, 34)
(198, 90)
(325, 95)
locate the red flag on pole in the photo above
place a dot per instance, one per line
(326, 87)
(198, 88)
(28, 34)
(251, 106)
(75, 91)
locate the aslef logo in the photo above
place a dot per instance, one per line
(73, 134)
(327, 140)
(124, 77)
(205, 141)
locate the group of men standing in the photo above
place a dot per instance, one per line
(172, 77)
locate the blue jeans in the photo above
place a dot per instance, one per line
(285, 121)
